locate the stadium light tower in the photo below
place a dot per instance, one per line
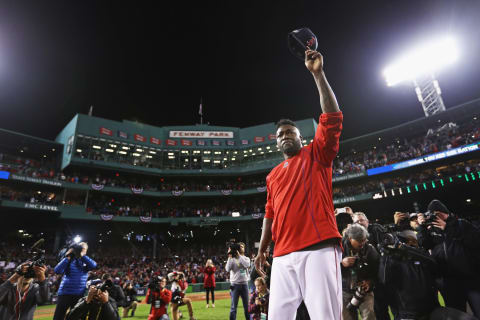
(419, 66)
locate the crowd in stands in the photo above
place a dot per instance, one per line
(354, 161)
(136, 267)
(167, 208)
(388, 152)
(171, 208)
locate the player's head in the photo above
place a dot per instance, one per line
(289, 140)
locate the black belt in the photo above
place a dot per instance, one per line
(332, 242)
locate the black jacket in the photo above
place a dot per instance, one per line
(116, 292)
(37, 294)
(130, 296)
(94, 310)
(412, 283)
(368, 255)
(456, 250)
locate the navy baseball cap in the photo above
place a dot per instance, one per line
(298, 41)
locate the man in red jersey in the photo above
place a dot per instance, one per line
(299, 214)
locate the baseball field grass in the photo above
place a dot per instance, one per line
(220, 312)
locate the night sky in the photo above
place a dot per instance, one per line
(152, 63)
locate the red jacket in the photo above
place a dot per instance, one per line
(299, 191)
(209, 278)
(164, 297)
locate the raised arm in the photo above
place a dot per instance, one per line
(314, 64)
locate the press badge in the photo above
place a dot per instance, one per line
(157, 304)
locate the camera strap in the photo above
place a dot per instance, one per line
(20, 299)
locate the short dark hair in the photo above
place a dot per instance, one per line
(283, 122)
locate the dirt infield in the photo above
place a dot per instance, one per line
(200, 296)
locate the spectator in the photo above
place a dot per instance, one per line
(258, 306)
(209, 281)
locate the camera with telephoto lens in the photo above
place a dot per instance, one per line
(234, 247)
(359, 272)
(357, 299)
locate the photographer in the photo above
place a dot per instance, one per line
(20, 295)
(159, 297)
(96, 305)
(237, 265)
(455, 245)
(178, 287)
(359, 270)
(209, 280)
(74, 267)
(258, 306)
(131, 301)
(114, 290)
(381, 294)
(409, 272)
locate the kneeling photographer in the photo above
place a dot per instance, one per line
(178, 287)
(131, 300)
(159, 297)
(20, 295)
(359, 270)
(96, 305)
(74, 267)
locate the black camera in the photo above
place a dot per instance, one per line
(76, 250)
(154, 283)
(177, 297)
(234, 247)
(100, 285)
(37, 259)
(430, 218)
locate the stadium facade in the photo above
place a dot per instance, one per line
(96, 147)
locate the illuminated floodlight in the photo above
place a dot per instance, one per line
(235, 214)
(426, 59)
(77, 239)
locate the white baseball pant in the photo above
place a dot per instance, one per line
(313, 276)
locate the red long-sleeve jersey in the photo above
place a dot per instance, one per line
(299, 191)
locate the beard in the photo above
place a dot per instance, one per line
(291, 149)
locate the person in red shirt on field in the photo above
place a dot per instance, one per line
(159, 297)
(209, 280)
(299, 214)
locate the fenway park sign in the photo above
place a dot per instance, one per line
(202, 134)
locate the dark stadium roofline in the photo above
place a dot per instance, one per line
(5, 131)
(423, 123)
(197, 125)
